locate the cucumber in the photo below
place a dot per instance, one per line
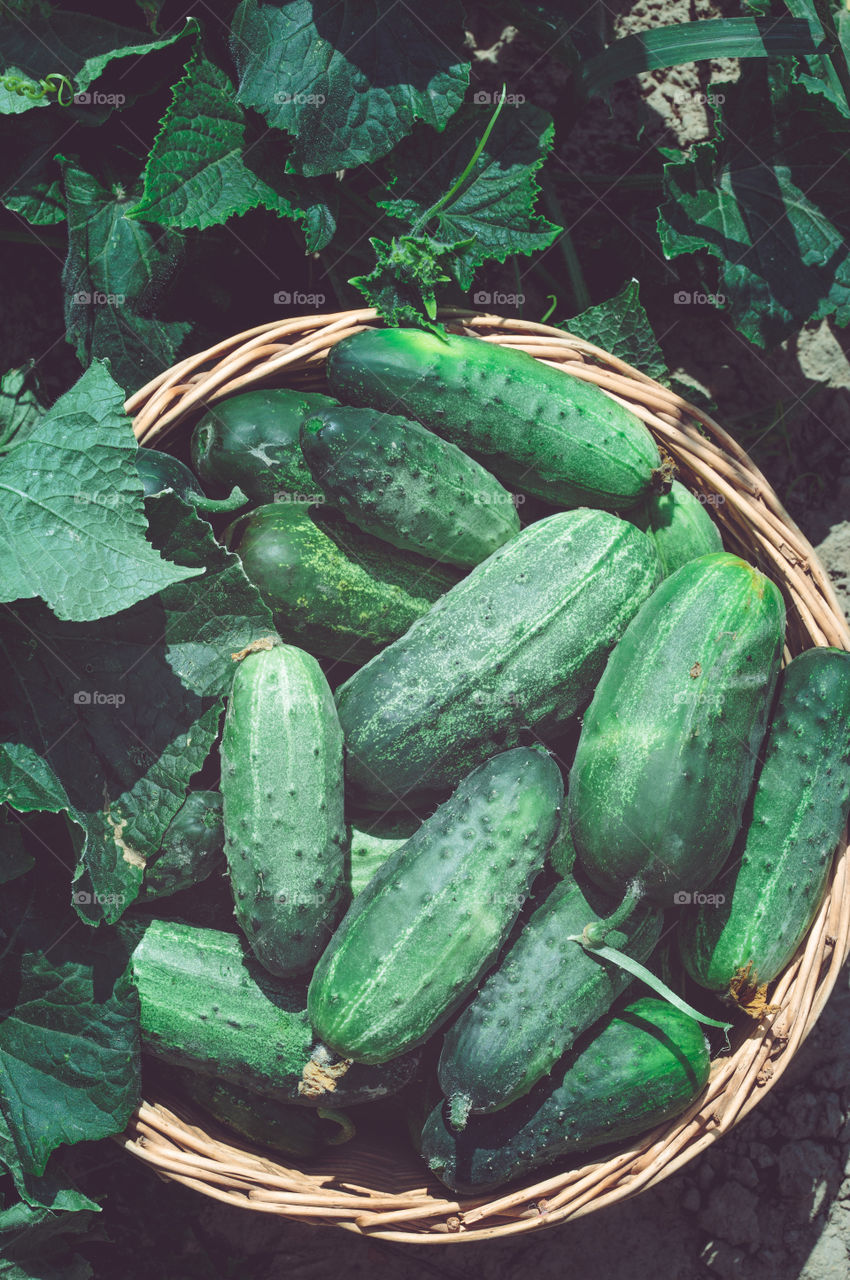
(645, 1065)
(680, 524)
(208, 1006)
(253, 440)
(669, 744)
(538, 429)
(192, 847)
(394, 479)
(159, 471)
(433, 918)
(289, 1129)
(282, 785)
(777, 873)
(544, 993)
(519, 643)
(333, 590)
(371, 845)
(562, 852)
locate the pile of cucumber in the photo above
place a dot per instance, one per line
(520, 732)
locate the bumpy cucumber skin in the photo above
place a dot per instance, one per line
(432, 919)
(521, 641)
(670, 741)
(778, 869)
(282, 785)
(532, 1008)
(645, 1065)
(338, 592)
(208, 1006)
(402, 483)
(539, 430)
(680, 524)
(253, 440)
(192, 847)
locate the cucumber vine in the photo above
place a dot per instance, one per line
(53, 83)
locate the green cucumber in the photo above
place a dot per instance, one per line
(333, 590)
(531, 1009)
(433, 918)
(645, 1065)
(282, 784)
(253, 440)
(285, 1127)
(519, 643)
(761, 906)
(535, 427)
(394, 479)
(669, 744)
(208, 1006)
(680, 524)
(562, 852)
(371, 845)
(191, 849)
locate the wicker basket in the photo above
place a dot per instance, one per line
(377, 1186)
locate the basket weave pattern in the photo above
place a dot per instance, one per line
(387, 1191)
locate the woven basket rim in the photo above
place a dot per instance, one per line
(186, 1146)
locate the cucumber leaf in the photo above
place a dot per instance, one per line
(622, 327)
(115, 277)
(404, 280)
(767, 196)
(348, 79)
(21, 406)
(204, 167)
(72, 524)
(69, 1032)
(491, 215)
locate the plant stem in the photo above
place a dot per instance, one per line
(426, 217)
(581, 293)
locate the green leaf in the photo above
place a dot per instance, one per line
(203, 167)
(52, 1211)
(767, 196)
(213, 616)
(622, 327)
(28, 783)
(493, 211)
(402, 284)
(15, 860)
(21, 407)
(69, 1032)
(123, 735)
(30, 181)
(827, 74)
(77, 45)
(72, 523)
(114, 277)
(348, 79)
(660, 47)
